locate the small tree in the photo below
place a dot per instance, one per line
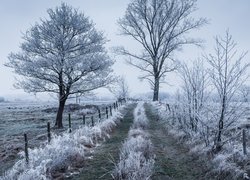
(227, 75)
(160, 27)
(195, 83)
(63, 54)
(120, 89)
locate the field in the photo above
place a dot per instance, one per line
(31, 118)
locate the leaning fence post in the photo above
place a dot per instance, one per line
(70, 123)
(26, 148)
(48, 130)
(244, 141)
(107, 112)
(110, 107)
(92, 120)
(84, 119)
(168, 107)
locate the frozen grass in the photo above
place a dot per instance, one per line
(136, 155)
(229, 163)
(134, 163)
(18, 118)
(64, 152)
(140, 119)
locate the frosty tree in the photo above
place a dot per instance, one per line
(160, 27)
(120, 89)
(228, 75)
(63, 54)
(195, 82)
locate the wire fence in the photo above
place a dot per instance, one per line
(85, 120)
(242, 134)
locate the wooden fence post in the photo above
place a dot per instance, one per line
(168, 107)
(107, 112)
(84, 119)
(26, 148)
(244, 141)
(99, 112)
(114, 106)
(48, 130)
(70, 123)
(110, 108)
(92, 120)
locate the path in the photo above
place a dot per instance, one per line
(172, 159)
(100, 166)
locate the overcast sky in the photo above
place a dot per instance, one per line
(17, 16)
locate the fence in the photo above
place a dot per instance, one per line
(89, 120)
(243, 134)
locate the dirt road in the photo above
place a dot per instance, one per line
(173, 162)
(101, 165)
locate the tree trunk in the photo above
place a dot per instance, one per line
(156, 89)
(59, 115)
(221, 125)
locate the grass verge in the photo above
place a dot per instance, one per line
(173, 160)
(100, 166)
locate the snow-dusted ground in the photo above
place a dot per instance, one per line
(136, 160)
(66, 151)
(18, 118)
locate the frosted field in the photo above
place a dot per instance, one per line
(17, 118)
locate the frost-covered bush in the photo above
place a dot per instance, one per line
(135, 166)
(136, 155)
(65, 151)
(137, 144)
(229, 163)
(136, 160)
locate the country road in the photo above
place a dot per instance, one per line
(172, 160)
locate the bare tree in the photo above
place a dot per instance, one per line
(228, 75)
(160, 27)
(120, 89)
(195, 83)
(63, 54)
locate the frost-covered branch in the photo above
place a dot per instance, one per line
(161, 28)
(63, 54)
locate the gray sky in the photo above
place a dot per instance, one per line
(17, 16)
